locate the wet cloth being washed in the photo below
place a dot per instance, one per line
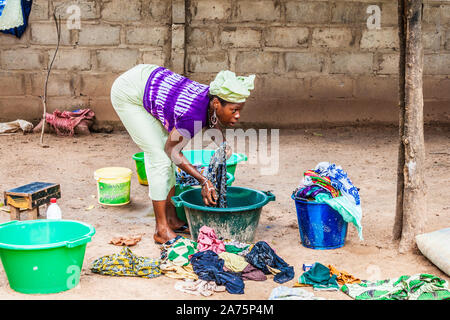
(217, 174)
(126, 263)
(263, 256)
(416, 287)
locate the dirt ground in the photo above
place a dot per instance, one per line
(368, 155)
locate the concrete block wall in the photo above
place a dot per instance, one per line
(316, 61)
(112, 36)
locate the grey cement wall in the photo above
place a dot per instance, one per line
(316, 61)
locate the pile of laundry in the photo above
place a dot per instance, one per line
(204, 266)
(211, 265)
(14, 16)
(329, 184)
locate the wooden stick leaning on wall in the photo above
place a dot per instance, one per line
(44, 98)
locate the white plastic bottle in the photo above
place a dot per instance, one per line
(53, 210)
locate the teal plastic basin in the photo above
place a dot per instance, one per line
(202, 157)
(43, 256)
(198, 157)
(238, 221)
(180, 189)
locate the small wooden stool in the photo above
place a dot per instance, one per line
(30, 197)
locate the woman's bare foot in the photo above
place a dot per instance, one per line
(163, 236)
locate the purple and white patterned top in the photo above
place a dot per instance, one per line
(176, 101)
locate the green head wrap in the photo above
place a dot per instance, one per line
(231, 88)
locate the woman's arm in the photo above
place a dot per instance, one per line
(173, 147)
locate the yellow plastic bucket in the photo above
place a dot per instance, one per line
(113, 185)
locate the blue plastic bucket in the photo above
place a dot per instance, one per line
(321, 227)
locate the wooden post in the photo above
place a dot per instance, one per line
(411, 195)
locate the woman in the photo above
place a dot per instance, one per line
(162, 111)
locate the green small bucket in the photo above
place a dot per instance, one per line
(237, 222)
(43, 256)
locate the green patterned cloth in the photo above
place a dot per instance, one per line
(180, 251)
(126, 263)
(416, 287)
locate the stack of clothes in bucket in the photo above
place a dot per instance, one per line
(329, 184)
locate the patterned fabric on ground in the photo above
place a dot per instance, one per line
(217, 174)
(319, 278)
(207, 240)
(416, 287)
(208, 266)
(180, 251)
(166, 246)
(262, 256)
(199, 287)
(286, 293)
(169, 269)
(126, 263)
(342, 277)
(233, 261)
(237, 247)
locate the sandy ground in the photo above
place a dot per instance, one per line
(368, 155)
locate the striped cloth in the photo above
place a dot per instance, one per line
(176, 101)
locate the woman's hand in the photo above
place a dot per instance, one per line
(209, 194)
(229, 151)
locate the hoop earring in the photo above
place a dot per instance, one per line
(213, 119)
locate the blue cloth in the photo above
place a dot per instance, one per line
(262, 255)
(209, 267)
(26, 9)
(2, 5)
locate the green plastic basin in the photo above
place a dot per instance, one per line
(238, 221)
(43, 256)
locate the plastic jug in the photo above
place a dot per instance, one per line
(53, 210)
